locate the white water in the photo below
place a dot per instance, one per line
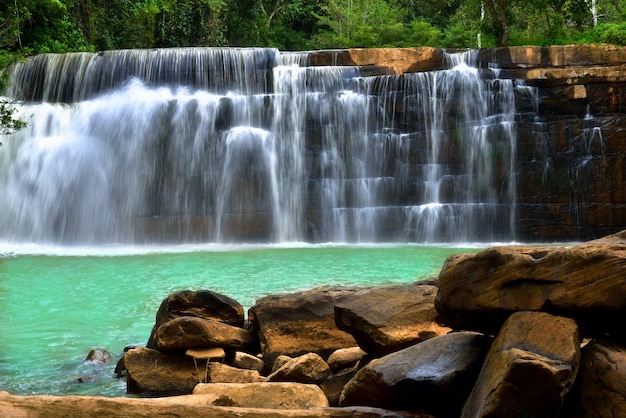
(217, 146)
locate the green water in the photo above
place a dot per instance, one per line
(55, 307)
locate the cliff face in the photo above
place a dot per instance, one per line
(570, 157)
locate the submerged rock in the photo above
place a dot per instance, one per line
(99, 355)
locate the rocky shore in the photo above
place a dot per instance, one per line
(513, 331)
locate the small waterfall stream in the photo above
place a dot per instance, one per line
(230, 145)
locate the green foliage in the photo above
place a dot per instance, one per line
(611, 33)
(8, 122)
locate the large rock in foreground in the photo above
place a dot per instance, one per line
(434, 376)
(584, 282)
(188, 406)
(529, 370)
(299, 323)
(390, 318)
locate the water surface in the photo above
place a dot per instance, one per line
(56, 304)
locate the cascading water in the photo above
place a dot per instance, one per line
(220, 145)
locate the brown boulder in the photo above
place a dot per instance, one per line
(345, 358)
(584, 282)
(198, 303)
(434, 376)
(247, 361)
(387, 319)
(300, 323)
(222, 373)
(267, 395)
(152, 373)
(192, 332)
(308, 368)
(529, 369)
(602, 380)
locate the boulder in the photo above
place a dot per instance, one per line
(386, 319)
(345, 358)
(308, 368)
(152, 373)
(602, 380)
(279, 362)
(299, 323)
(246, 361)
(188, 406)
(584, 282)
(222, 373)
(192, 332)
(267, 395)
(198, 303)
(434, 376)
(530, 367)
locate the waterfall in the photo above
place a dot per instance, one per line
(220, 145)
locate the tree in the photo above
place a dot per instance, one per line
(497, 10)
(361, 23)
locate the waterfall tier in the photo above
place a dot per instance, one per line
(223, 145)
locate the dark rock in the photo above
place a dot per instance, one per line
(99, 355)
(529, 369)
(434, 376)
(202, 304)
(334, 384)
(584, 282)
(192, 332)
(387, 319)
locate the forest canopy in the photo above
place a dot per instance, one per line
(37, 26)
